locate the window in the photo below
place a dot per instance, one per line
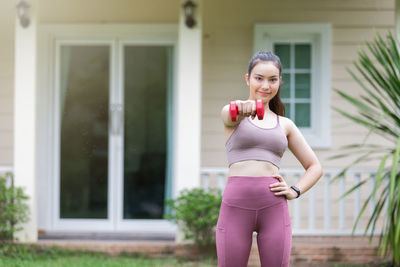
(304, 50)
(296, 92)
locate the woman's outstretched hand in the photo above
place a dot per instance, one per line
(247, 108)
(281, 188)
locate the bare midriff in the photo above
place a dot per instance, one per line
(253, 168)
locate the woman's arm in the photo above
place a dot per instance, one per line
(303, 152)
(226, 117)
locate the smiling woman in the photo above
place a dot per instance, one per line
(265, 80)
(255, 194)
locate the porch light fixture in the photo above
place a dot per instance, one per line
(189, 7)
(22, 13)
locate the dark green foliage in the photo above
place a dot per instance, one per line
(13, 209)
(198, 211)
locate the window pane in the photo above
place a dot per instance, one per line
(283, 52)
(285, 88)
(302, 114)
(302, 85)
(302, 56)
(146, 84)
(84, 83)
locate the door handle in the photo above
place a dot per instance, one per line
(116, 119)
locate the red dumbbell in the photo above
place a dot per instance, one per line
(233, 110)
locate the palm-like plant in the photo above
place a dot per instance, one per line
(379, 111)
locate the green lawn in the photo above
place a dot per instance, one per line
(12, 255)
(97, 261)
(90, 261)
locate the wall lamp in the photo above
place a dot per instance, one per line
(189, 7)
(22, 13)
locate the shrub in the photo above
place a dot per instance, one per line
(198, 211)
(13, 209)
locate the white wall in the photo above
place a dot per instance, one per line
(7, 28)
(116, 11)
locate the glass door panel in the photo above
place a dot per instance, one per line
(146, 83)
(84, 102)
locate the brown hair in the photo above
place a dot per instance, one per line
(275, 104)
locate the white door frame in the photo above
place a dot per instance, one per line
(51, 37)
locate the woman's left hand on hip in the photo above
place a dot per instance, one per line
(281, 188)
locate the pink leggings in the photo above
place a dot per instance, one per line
(249, 205)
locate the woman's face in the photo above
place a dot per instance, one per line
(264, 81)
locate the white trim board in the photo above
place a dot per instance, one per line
(319, 34)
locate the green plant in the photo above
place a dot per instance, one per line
(13, 209)
(379, 111)
(198, 211)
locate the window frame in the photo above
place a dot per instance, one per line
(319, 35)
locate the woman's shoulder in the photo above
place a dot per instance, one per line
(287, 124)
(285, 119)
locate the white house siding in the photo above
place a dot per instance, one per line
(228, 46)
(6, 81)
(116, 11)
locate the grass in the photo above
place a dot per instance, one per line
(21, 255)
(90, 261)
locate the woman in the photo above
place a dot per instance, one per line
(255, 196)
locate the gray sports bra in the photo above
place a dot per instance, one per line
(251, 142)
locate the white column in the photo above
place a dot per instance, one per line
(187, 106)
(25, 116)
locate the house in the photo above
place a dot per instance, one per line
(111, 107)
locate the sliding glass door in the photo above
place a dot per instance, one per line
(114, 134)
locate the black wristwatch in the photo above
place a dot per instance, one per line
(295, 188)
